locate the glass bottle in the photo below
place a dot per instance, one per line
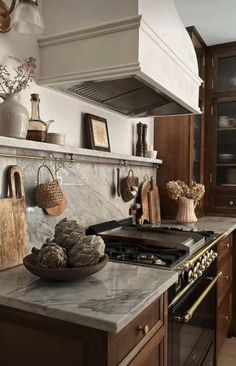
(37, 130)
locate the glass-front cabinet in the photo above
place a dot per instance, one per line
(220, 147)
(224, 78)
(225, 154)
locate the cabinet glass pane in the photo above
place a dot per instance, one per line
(227, 72)
(226, 144)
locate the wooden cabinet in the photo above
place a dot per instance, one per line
(180, 141)
(220, 147)
(38, 340)
(224, 290)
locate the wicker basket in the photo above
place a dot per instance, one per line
(48, 194)
(128, 184)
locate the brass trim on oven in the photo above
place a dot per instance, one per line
(188, 264)
(189, 313)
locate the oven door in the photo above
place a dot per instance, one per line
(192, 324)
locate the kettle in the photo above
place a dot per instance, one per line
(38, 129)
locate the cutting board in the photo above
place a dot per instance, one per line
(144, 202)
(14, 241)
(154, 203)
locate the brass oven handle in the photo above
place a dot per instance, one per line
(189, 313)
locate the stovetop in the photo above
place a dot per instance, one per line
(149, 245)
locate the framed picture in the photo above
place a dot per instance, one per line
(97, 132)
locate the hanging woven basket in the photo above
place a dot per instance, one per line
(48, 194)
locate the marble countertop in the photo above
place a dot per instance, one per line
(108, 300)
(218, 224)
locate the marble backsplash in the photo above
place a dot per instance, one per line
(90, 190)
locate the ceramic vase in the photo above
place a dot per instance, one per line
(186, 213)
(14, 117)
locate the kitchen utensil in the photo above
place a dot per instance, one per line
(154, 203)
(48, 194)
(14, 241)
(57, 210)
(129, 186)
(144, 202)
(62, 274)
(55, 138)
(37, 129)
(118, 181)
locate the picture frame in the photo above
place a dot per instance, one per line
(97, 132)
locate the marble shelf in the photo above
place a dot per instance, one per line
(7, 142)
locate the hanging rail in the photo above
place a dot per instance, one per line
(84, 159)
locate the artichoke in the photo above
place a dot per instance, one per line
(50, 255)
(69, 233)
(82, 255)
(96, 242)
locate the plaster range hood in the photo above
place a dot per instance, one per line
(134, 57)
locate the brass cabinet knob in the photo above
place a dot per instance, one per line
(226, 317)
(227, 245)
(144, 329)
(231, 203)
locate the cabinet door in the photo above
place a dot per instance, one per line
(224, 157)
(152, 354)
(224, 71)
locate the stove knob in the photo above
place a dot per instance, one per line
(203, 264)
(195, 276)
(199, 269)
(190, 275)
(215, 255)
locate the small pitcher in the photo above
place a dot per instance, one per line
(186, 213)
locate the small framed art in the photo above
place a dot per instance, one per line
(97, 132)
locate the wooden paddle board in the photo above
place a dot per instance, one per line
(14, 240)
(154, 203)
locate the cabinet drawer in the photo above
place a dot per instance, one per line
(224, 248)
(223, 321)
(225, 201)
(130, 336)
(225, 281)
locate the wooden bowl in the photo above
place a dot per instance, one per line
(62, 274)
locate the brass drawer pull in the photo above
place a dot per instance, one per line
(231, 203)
(227, 245)
(226, 317)
(144, 329)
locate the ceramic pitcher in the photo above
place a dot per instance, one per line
(14, 117)
(186, 213)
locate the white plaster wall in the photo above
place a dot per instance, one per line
(68, 111)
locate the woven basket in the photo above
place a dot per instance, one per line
(49, 194)
(127, 185)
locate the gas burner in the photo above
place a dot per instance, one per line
(143, 254)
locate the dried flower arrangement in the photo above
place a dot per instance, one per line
(178, 188)
(19, 79)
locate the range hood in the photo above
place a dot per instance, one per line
(133, 57)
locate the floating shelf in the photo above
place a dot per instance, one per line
(7, 142)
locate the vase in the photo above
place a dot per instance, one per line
(14, 117)
(186, 213)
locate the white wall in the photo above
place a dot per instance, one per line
(68, 111)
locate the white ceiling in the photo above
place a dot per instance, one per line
(215, 20)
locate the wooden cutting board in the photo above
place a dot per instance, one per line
(154, 203)
(14, 241)
(144, 202)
